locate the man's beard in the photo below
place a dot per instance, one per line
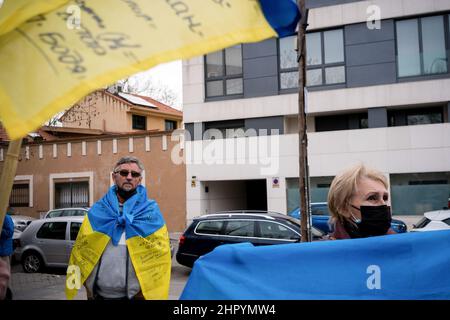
(126, 194)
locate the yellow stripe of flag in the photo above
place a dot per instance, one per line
(49, 63)
(15, 12)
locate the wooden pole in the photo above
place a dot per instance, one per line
(7, 176)
(303, 177)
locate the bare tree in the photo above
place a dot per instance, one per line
(146, 87)
(84, 111)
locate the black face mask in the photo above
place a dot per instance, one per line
(375, 221)
(124, 194)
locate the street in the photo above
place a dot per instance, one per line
(50, 285)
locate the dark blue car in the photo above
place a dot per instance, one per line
(321, 216)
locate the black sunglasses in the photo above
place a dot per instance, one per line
(125, 173)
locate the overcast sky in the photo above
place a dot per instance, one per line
(168, 74)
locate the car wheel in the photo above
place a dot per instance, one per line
(32, 262)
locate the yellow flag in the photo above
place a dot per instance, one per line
(51, 61)
(15, 12)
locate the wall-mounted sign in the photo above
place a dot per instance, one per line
(275, 182)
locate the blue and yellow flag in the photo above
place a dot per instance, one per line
(403, 266)
(146, 236)
(55, 58)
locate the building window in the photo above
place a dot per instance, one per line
(170, 125)
(342, 122)
(415, 116)
(319, 187)
(139, 122)
(20, 195)
(72, 194)
(421, 46)
(325, 60)
(288, 63)
(416, 193)
(223, 76)
(224, 129)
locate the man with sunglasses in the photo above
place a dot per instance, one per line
(122, 250)
(127, 176)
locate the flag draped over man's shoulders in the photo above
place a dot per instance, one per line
(146, 237)
(403, 266)
(57, 57)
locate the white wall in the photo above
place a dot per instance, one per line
(407, 149)
(276, 196)
(226, 195)
(221, 195)
(397, 94)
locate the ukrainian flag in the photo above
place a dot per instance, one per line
(146, 236)
(53, 53)
(407, 266)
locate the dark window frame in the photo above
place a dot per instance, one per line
(223, 78)
(341, 117)
(172, 122)
(73, 225)
(224, 125)
(15, 188)
(227, 223)
(323, 66)
(260, 232)
(391, 114)
(422, 75)
(285, 70)
(73, 184)
(217, 232)
(134, 120)
(41, 235)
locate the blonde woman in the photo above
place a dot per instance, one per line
(358, 201)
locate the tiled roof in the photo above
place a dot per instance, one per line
(160, 107)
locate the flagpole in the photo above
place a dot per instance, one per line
(303, 177)
(7, 176)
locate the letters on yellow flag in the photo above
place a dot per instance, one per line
(53, 60)
(15, 12)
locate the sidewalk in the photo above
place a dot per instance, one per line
(50, 285)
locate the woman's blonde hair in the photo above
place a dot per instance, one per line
(344, 186)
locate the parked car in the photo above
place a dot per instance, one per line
(433, 220)
(21, 222)
(66, 212)
(47, 242)
(320, 217)
(258, 227)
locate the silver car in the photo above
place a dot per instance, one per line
(47, 243)
(21, 222)
(66, 212)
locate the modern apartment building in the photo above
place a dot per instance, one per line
(378, 82)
